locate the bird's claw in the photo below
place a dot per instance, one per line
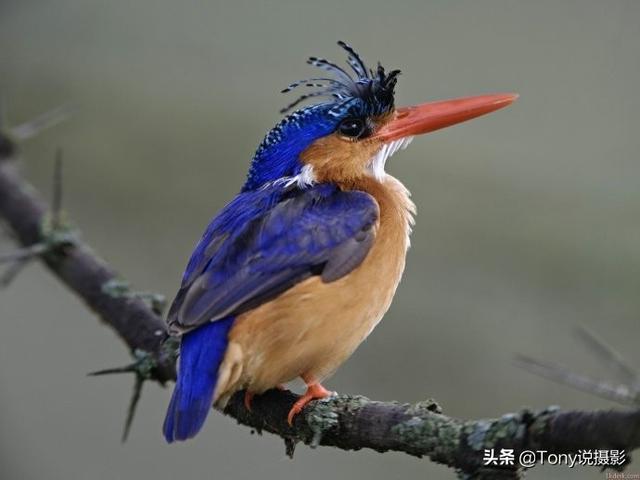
(314, 391)
(248, 398)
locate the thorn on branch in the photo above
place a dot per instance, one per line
(55, 230)
(622, 394)
(9, 136)
(41, 123)
(17, 260)
(55, 234)
(133, 405)
(25, 253)
(611, 357)
(12, 272)
(56, 201)
(143, 365)
(131, 368)
(627, 393)
(142, 368)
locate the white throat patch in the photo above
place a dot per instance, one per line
(379, 160)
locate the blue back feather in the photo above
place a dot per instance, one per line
(266, 241)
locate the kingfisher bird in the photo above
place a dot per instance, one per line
(296, 270)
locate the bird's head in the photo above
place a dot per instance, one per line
(353, 133)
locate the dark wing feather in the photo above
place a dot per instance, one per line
(265, 242)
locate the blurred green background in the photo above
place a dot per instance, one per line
(528, 219)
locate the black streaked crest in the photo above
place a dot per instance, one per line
(374, 87)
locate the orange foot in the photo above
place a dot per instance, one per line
(314, 391)
(248, 398)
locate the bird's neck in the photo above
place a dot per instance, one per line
(396, 208)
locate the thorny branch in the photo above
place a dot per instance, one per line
(342, 421)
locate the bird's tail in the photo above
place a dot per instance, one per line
(201, 353)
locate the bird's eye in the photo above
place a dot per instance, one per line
(352, 127)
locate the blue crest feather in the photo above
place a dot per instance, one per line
(368, 93)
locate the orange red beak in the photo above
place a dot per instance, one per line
(427, 117)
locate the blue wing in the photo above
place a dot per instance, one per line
(261, 244)
(265, 241)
